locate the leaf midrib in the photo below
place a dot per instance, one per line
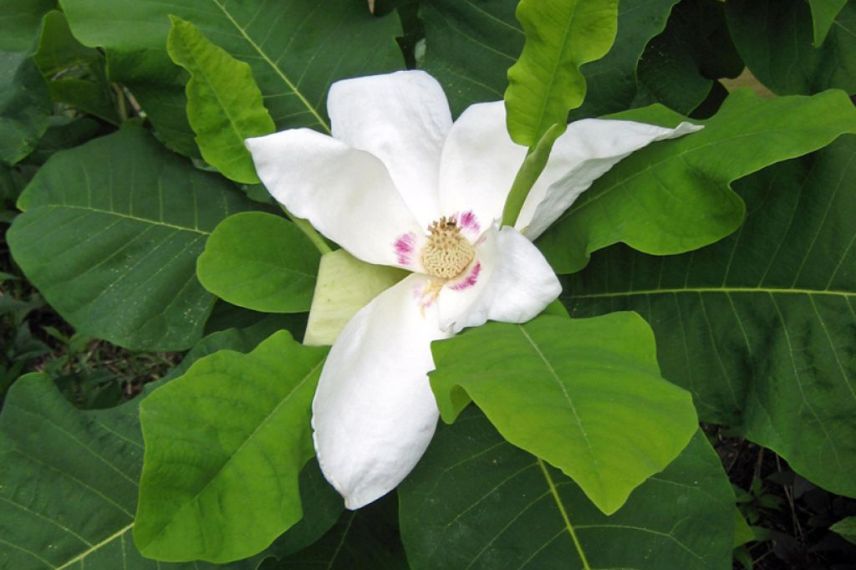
(147, 221)
(273, 66)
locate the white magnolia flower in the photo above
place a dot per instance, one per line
(399, 184)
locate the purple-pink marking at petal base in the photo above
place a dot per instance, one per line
(469, 222)
(404, 248)
(470, 280)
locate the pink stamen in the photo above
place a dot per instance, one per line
(404, 246)
(470, 279)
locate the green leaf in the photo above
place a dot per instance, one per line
(775, 39)
(475, 501)
(546, 82)
(21, 21)
(24, 106)
(679, 67)
(675, 196)
(612, 81)
(345, 285)
(585, 395)
(224, 104)
(760, 326)
(296, 49)
(228, 486)
(259, 261)
(76, 74)
(49, 452)
(110, 235)
(367, 538)
(846, 528)
(823, 14)
(469, 48)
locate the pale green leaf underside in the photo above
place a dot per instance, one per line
(475, 501)
(225, 444)
(110, 234)
(675, 196)
(261, 262)
(224, 104)
(546, 83)
(345, 285)
(585, 394)
(760, 326)
(846, 528)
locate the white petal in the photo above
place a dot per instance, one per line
(345, 193)
(479, 163)
(402, 118)
(513, 284)
(374, 413)
(586, 151)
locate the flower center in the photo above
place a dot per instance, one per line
(447, 252)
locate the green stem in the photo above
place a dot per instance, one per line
(530, 170)
(120, 98)
(309, 231)
(558, 500)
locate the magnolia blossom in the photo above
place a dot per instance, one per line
(400, 184)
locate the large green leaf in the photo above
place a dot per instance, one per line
(68, 484)
(760, 326)
(260, 261)
(775, 39)
(110, 234)
(585, 394)
(296, 49)
(475, 501)
(823, 14)
(546, 83)
(224, 104)
(225, 444)
(469, 47)
(675, 196)
(20, 21)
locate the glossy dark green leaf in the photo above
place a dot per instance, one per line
(546, 83)
(224, 104)
(260, 261)
(296, 49)
(760, 326)
(225, 444)
(675, 196)
(110, 235)
(775, 39)
(584, 394)
(475, 501)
